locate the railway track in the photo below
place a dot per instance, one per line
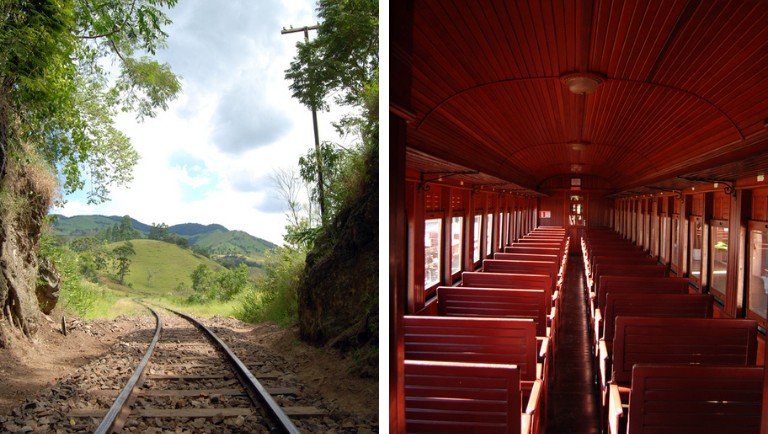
(188, 374)
(185, 383)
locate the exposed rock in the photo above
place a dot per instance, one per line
(48, 285)
(26, 191)
(338, 296)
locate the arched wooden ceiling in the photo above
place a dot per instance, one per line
(685, 88)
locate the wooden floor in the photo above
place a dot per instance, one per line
(573, 396)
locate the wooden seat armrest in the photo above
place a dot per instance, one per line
(526, 427)
(603, 354)
(544, 346)
(598, 322)
(615, 409)
(532, 407)
(552, 314)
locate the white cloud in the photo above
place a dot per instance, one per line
(209, 158)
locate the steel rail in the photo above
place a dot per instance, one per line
(256, 390)
(115, 417)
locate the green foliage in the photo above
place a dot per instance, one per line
(74, 293)
(343, 58)
(122, 262)
(221, 286)
(274, 296)
(343, 61)
(59, 97)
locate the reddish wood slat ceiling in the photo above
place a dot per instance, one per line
(686, 88)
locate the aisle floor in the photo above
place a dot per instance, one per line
(573, 406)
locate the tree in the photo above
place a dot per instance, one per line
(343, 58)
(342, 61)
(158, 232)
(122, 261)
(57, 94)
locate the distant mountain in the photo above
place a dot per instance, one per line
(214, 237)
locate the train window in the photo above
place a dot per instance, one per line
(654, 242)
(675, 249)
(664, 240)
(488, 234)
(697, 251)
(500, 240)
(757, 301)
(718, 263)
(476, 240)
(432, 239)
(457, 230)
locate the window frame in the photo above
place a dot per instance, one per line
(430, 287)
(701, 281)
(719, 293)
(456, 275)
(750, 313)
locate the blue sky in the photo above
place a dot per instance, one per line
(209, 157)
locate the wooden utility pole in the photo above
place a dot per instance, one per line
(318, 154)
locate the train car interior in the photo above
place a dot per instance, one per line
(567, 166)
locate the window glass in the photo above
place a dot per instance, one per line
(697, 240)
(758, 271)
(457, 227)
(432, 252)
(478, 233)
(489, 234)
(719, 260)
(675, 250)
(655, 236)
(502, 231)
(664, 240)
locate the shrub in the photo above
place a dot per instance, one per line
(274, 297)
(75, 294)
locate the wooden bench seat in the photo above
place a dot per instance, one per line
(684, 341)
(502, 341)
(528, 267)
(619, 259)
(450, 397)
(634, 284)
(602, 270)
(497, 303)
(510, 280)
(660, 305)
(690, 400)
(474, 340)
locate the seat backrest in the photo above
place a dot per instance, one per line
(655, 305)
(509, 280)
(602, 270)
(639, 284)
(533, 249)
(514, 266)
(473, 340)
(450, 397)
(731, 342)
(695, 399)
(527, 257)
(494, 302)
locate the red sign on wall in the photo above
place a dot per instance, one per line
(545, 214)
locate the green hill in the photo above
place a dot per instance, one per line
(160, 268)
(214, 237)
(88, 225)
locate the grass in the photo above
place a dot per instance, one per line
(111, 304)
(161, 269)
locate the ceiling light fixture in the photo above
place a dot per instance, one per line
(581, 83)
(578, 145)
